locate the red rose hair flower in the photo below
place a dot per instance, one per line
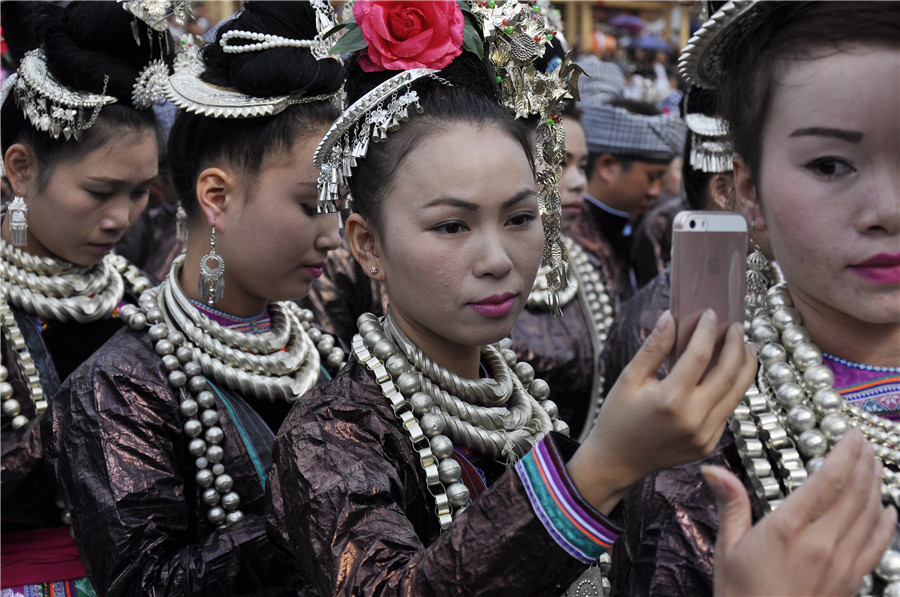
(405, 34)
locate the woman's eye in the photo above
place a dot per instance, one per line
(522, 219)
(140, 194)
(99, 195)
(310, 210)
(829, 167)
(450, 227)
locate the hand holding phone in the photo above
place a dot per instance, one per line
(709, 252)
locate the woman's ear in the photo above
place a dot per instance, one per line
(216, 189)
(364, 246)
(21, 168)
(746, 195)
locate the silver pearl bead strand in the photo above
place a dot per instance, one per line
(795, 413)
(197, 406)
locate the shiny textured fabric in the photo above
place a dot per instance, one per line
(670, 529)
(634, 321)
(122, 461)
(651, 250)
(342, 294)
(347, 497)
(670, 517)
(600, 234)
(561, 353)
(28, 487)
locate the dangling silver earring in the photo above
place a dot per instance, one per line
(757, 279)
(212, 267)
(181, 224)
(18, 224)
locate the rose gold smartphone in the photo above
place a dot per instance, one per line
(709, 262)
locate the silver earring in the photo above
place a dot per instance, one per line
(212, 267)
(757, 280)
(18, 224)
(373, 270)
(181, 224)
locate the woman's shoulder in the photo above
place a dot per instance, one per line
(126, 366)
(352, 395)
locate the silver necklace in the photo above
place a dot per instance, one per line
(792, 417)
(421, 394)
(55, 291)
(584, 282)
(193, 347)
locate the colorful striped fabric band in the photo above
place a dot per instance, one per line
(574, 524)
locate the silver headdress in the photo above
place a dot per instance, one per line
(370, 117)
(706, 56)
(516, 34)
(188, 91)
(710, 150)
(50, 106)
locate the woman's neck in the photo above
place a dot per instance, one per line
(836, 333)
(463, 360)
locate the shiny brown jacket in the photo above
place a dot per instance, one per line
(349, 501)
(121, 459)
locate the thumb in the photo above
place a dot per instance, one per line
(655, 348)
(733, 505)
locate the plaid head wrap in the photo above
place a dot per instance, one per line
(614, 130)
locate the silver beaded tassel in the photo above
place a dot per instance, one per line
(18, 224)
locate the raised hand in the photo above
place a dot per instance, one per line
(820, 541)
(648, 424)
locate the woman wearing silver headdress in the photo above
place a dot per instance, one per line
(810, 91)
(81, 98)
(435, 463)
(162, 439)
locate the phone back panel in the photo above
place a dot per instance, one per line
(709, 252)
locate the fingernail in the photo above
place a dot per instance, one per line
(711, 476)
(662, 324)
(711, 314)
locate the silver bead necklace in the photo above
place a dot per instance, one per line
(281, 364)
(585, 283)
(421, 394)
(792, 417)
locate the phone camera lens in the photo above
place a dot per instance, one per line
(693, 224)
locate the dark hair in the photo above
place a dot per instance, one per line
(198, 141)
(86, 43)
(472, 100)
(791, 30)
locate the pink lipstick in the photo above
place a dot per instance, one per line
(883, 268)
(315, 270)
(496, 305)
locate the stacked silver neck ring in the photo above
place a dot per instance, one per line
(439, 408)
(55, 291)
(792, 417)
(279, 364)
(60, 292)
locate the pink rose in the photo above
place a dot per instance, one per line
(406, 34)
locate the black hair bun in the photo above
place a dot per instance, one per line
(87, 41)
(466, 70)
(276, 71)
